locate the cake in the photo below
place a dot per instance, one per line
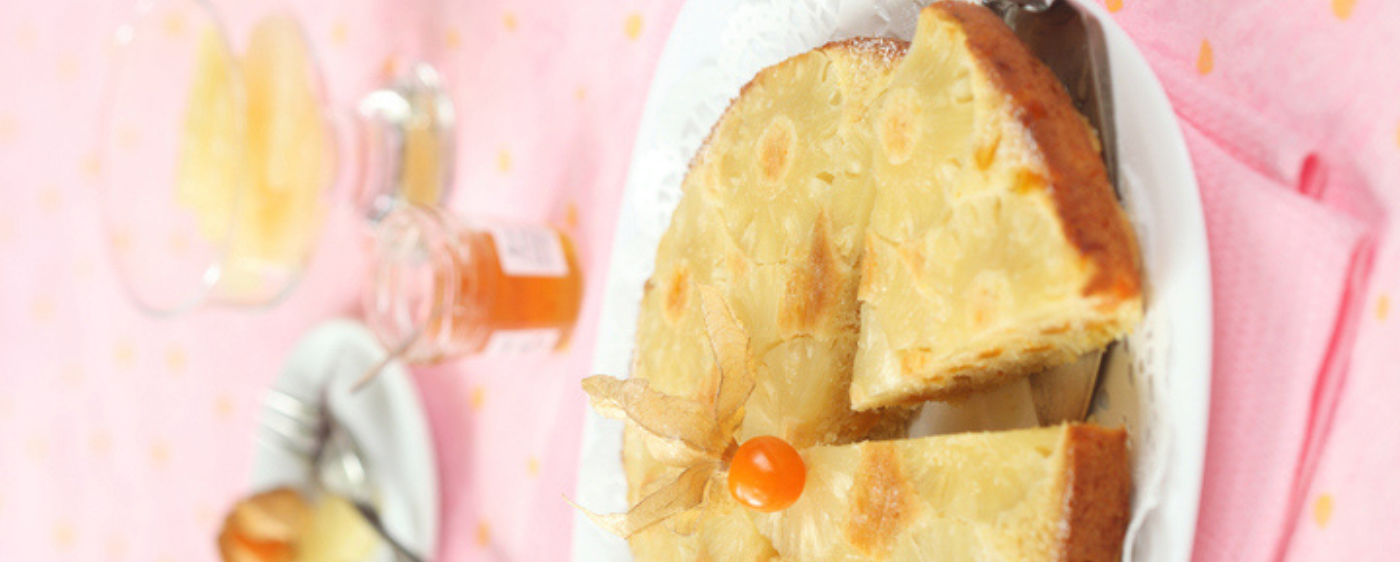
(255, 158)
(264, 527)
(889, 223)
(785, 257)
(1053, 493)
(996, 247)
(282, 525)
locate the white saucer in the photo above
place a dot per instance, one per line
(386, 418)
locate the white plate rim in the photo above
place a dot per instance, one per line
(409, 478)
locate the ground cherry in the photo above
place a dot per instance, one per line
(767, 474)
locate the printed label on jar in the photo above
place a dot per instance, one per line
(520, 342)
(529, 251)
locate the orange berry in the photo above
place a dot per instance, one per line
(767, 474)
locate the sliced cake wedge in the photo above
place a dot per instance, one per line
(996, 247)
(1046, 494)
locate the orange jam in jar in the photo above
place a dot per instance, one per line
(440, 288)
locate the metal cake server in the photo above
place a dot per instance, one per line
(1070, 41)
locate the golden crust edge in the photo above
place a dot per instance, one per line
(1097, 496)
(1092, 219)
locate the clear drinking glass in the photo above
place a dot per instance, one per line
(221, 154)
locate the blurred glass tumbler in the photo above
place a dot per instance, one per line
(219, 169)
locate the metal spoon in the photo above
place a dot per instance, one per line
(337, 461)
(341, 471)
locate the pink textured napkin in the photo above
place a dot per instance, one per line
(1289, 113)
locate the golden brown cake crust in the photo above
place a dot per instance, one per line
(1079, 184)
(1097, 496)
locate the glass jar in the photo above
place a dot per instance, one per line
(441, 288)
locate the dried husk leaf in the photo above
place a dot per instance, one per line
(680, 431)
(688, 522)
(730, 343)
(672, 452)
(686, 423)
(678, 497)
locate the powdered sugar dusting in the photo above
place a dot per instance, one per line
(887, 51)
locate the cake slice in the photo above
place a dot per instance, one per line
(772, 216)
(786, 172)
(1057, 493)
(996, 247)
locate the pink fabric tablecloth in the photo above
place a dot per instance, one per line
(125, 438)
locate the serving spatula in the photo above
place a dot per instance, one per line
(1070, 41)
